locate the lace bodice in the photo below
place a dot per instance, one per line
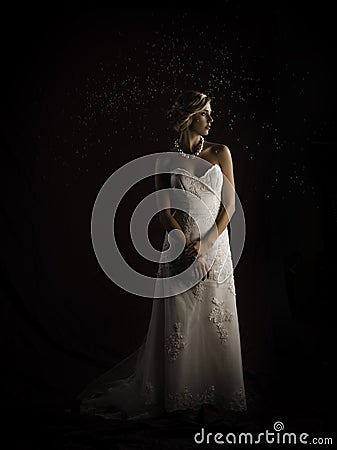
(198, 215)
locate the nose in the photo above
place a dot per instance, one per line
(210, 119)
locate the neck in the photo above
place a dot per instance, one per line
(189, 141)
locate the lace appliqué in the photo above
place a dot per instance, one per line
(186, 399)
(175, 342)
(222, 258)
(231, 285)
(148, 394)
(195, 186)
(219, 316)
(186, 221)
(238, 402)
(198, 291)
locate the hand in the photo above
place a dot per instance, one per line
(192, 249)
(201, 268)
(196, 248)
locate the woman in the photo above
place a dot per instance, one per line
(191, 356)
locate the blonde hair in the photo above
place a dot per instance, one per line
(186, 105)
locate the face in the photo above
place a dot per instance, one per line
(201, 122)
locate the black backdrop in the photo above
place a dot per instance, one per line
(84, 91)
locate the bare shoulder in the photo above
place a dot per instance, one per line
(219, 153)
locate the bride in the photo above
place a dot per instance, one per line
(191, 355)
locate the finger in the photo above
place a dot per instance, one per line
(191, 252)
(189, 247)
(204, 270)
(197, 270)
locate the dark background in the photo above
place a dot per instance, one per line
(84, 91)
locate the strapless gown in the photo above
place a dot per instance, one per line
(191, 354)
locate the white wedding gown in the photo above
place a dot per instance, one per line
(191, 354)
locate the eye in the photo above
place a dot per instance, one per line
(205, 114)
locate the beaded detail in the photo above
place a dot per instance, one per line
(187, 400)
(231, 285)
(175, 342)
(149, 393)
(190, 155)
(238, 402)
(198, 291)
(219, 316)
(186, 222)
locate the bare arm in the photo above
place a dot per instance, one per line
(166, 218)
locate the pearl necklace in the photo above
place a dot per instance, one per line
(192, 155)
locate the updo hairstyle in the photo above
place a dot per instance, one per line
(186, 105)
